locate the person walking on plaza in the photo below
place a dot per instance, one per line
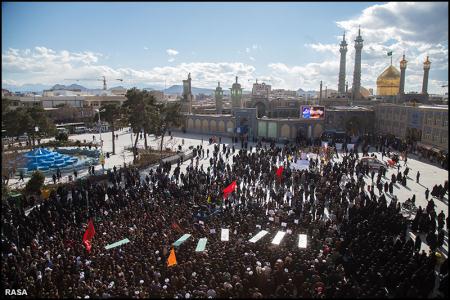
(427, 194)
(21, 176)
(54, 178)
(417, 176)
(406, 171)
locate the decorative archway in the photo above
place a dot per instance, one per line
(285, 131)
(198, 124)
(213, 126)
(260, 109)
(353, 126)
(221, 126)
(230, 125)
(190, 124)
(205, 126)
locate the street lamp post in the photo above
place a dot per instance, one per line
(100, 128)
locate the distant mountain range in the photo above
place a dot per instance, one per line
(173, 90)
(72, 87)
(38, 88)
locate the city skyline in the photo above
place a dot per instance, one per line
(294, 45)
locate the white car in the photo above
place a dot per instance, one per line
(372, 162)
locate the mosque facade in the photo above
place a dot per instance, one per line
(354, 110)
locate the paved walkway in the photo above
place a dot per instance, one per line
(430, 174)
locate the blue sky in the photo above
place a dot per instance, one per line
(147, 43)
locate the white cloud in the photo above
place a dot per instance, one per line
(306, 77)
(418, 29)
(324, 47)
(146, 48)
(46, 66)
(172, 52)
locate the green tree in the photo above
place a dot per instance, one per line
(112, 115)
(38, 119)
(138, 111)
(35, 183)
(15, 122)
(5, 105)
(164, 117)
(62, 136)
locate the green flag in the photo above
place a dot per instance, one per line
(389, 53)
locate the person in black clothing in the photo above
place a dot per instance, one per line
(417, 176)
(417, 243)
(54, 178)
(427, 193)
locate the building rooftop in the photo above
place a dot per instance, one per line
(441, 107)
(351, 108)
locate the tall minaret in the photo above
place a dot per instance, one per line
(236, 95)
(320, 92)
(357, 72)
(343, 50)
(426, 71)
(403, 63)
(187, 95)
(218, 95)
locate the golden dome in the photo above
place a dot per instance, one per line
(388, 83)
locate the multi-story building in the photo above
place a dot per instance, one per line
(261, 90)
(99, 101)
(21, 101)
(55, 101)
(425, 124)
(435, 126)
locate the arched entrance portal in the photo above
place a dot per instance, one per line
(353, 126)
(260, 109)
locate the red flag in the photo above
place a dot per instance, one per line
(88, 235)
(229, 189)
(280, 172)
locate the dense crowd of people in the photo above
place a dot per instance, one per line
(357, 238)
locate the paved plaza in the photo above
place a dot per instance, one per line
(430, 174)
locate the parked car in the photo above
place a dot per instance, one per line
(372, 162)
(80, 129)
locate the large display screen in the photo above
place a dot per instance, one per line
(312, 112)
